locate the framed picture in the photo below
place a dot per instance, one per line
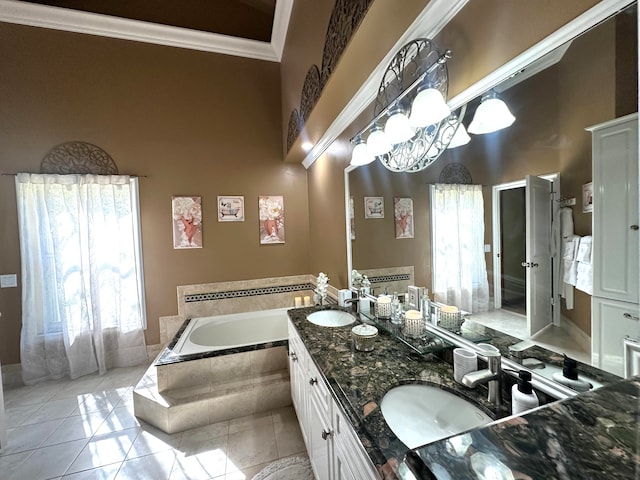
(271, 214)
(352, 218)
(230, 209)
(403, 217)
(186, 212)
(587, 197)
(373, 207)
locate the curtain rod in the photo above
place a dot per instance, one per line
(14, 174)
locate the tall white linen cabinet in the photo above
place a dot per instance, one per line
(615, 302)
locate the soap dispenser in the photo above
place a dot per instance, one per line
(569, 376)
(523, 397)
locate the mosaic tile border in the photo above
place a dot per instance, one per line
(390, 278)
(250, 292)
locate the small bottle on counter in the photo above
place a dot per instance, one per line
(396, 309)
(425, 306)
(523, 397)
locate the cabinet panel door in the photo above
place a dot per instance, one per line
(612, 321)
(342, 470)
(615, 211)
(319, 444)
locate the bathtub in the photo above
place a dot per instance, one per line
(231, 332)
(218, 368)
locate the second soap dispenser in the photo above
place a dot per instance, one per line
(523, 397)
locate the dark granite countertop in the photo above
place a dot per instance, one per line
(359, 380)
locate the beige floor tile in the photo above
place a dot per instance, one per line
(48, 462)
(10, 463)
(248, 448)
(120, 418)
(104, 450)
(250, 422)
(195, 436)
(289, 439)
(156, 466)
(201, 461)
(150, 440)
(108, 472)
(28, 437)
(76, 427)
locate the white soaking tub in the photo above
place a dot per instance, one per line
(232, 331)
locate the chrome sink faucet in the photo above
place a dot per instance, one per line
(492, 376)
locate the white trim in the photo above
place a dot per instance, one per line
(427, 24)
(23, 13)
(444, 12)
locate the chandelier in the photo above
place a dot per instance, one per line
(412, 124)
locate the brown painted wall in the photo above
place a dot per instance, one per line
(196, 123)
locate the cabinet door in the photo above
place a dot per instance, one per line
(320, 441)
(342, 471)
(349, 454)
(615, 210)
(298, 377)
(612, 321)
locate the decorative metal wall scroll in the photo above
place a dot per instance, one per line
(311, 90)
(455, 173)
(80, 158)
(344, 21)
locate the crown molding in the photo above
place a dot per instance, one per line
(44, 16)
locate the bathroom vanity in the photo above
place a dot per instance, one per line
(337, 392)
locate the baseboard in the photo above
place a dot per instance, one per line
(576, 333)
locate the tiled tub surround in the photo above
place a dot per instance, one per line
(184, 391)
(179, 392)
(359, 380)
(243, 296)
(393, 279)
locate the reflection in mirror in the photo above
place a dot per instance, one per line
(591, 80)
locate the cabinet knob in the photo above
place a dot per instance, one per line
(294, 357)
(325, 434)
(524, 264)
(634, 227)
(630, 317)
(313, 381)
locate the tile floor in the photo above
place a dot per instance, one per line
(85, 429)
(553, 338)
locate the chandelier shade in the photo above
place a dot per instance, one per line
(378, 143)
(428, 108)
(361, 155)
(492, 115)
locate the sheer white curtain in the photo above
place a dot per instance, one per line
(82, 292)
(459, 266)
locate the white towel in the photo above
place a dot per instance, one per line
(584, 250)
(562, 245)
(569, 263)
(584, 279)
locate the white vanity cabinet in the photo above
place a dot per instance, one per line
(616, 232)
(333, 447)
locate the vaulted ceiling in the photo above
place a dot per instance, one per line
(247, 28)
(251, 19)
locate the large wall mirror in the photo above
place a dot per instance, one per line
(592, 78)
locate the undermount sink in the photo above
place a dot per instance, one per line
(420, 414)
(331, 318)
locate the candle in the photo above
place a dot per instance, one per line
(307, 301)
(298, 302)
